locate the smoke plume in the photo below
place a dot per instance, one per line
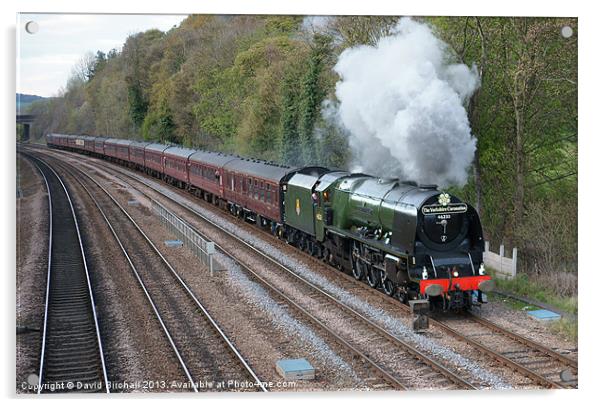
(401, 103)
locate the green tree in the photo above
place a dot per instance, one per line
(312, 94)
(291, 150)
(138, 105)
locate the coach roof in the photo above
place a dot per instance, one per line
(259, 169)
(140, 144)
(211, 158)
(159, 148)
(180, 152)
(121, 142)
(86, 138)
(118, 141)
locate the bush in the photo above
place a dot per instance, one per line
(547, 241)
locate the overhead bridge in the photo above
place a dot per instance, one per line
(26, 120)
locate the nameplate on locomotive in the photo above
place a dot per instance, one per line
(450, 208)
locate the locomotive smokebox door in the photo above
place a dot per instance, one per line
(420, 309)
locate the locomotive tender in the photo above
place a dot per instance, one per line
(412, 241)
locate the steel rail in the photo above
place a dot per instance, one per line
(47, 296)
(105, 382)
(536, 377)
(183, 284)
(415, 352)
(525, 341)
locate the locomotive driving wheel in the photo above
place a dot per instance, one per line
(359, 269)
(388, 287)
(373, 277)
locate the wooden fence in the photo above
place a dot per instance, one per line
(504, 266)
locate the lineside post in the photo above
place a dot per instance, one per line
(420, 309)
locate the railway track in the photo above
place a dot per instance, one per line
(423, 365)
(541, 365)
(71, 357)
(202, 349)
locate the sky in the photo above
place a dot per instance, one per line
(45, 59)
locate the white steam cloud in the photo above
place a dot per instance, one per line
(401, 102)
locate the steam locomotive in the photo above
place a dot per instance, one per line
(411, 241)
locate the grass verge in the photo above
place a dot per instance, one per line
(522, 285)
(566, 327)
